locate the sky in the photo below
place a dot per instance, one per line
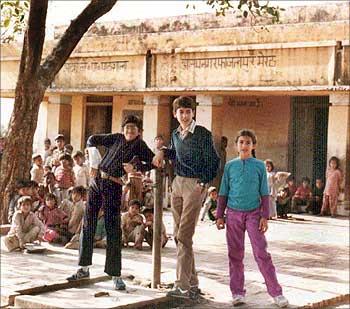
(61, 12)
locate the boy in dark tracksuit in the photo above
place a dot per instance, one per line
(196, 164)
(105, 191)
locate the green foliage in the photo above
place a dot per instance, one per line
(13, 18)
(253, 8)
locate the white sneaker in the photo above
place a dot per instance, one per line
(281, 301)
(237, 300)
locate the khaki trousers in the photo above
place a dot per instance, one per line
(12, 241)
(186, 202)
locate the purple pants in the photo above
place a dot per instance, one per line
(237, 222)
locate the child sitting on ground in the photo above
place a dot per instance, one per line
(148, 213)
(147, 190)
(55, 220)
(74, 209)
(316, 203)
(210, 204)
(100, 234)
(283, 201)
(23, 188)
(302, 196)
(132, 225)
(64, 177)
(25, 227)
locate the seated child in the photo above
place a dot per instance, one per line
(283, 200)
(74, 209)
(302, 196)
(25, 227)
(23, 188)
(64, 177)
(100, 234)
(316, 203)
(55, 220)
(132, 225)
(148, 198)
(125, 197)
(291, 186)
(209, 207)
(148, 213)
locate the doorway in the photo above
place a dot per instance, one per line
(309, 129)
(98, 120)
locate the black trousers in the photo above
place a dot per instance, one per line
(107, 194)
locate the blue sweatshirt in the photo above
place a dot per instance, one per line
(195, 155)
(244, 183)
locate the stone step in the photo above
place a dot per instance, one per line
(85, 297)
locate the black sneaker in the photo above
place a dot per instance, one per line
(80, 274)
(179, 293)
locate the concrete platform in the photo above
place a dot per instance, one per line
(83, 297)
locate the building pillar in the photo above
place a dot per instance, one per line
(156, 119)
(78, 123)
(123, 105)
(209, 114)
(59, 116)
(339, 143)
(41, 128)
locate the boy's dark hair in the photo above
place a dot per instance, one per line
(51, 196)
(290, 178)
(336, 160)
(148, 211)
(78, 154)
(184, 102)
(65, 156)
(132, 119)
(79, 189)
(33, 184)
(159, 136)
(68, 148)
(249, 133)
(47, 141)
(24, 199)
(269, 161)
(135, 202)
(22, 183)
(306, 179)
(59, 137)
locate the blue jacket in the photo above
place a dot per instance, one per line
(195, 155)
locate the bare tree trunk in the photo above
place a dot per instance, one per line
(33, 79)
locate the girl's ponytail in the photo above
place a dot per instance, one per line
(253, 153)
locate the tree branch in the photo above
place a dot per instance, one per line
(35, 36)
(70, 39)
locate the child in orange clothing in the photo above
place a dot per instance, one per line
(334, 177)
(302, 196)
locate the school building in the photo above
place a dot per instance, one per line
(289, 82)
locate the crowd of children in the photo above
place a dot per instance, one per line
(319, 199)
(50, 207)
